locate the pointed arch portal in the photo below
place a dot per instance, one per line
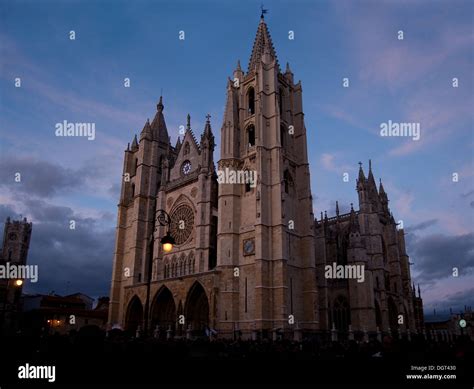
(134, 316)
(197, 309)
(163, 310)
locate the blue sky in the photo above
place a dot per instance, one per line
(407, 80)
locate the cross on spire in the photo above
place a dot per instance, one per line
(208, 117)
(264, 11)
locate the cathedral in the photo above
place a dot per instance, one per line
(249, 259)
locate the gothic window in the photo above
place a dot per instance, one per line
(251, 100)
(248, 185)
(341, 314)
(182, 223)
(135, 166)
(186, 148)
(10, 255)
(213, 244)
(387, 281)
(251, 136)
(133, 191)
(342, 245)
(287, 181)
(384, 251)
(282, 135)
(377, 282)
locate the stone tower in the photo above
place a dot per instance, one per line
(136, 209)
(16, 243)
(368, 239)
(266, 230)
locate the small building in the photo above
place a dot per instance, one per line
(61, 314)
(447, 327)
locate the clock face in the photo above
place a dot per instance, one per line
(186, 168)
(249, 247)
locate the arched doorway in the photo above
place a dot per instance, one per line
(180, 329)
(134, 316)
(392, 315)
(341, 314)
(197, 309)
(163, 311)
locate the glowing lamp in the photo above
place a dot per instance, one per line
(167, 243)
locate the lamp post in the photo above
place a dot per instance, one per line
(167, 242)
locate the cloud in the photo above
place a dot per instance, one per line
(436, 255)
(458, 300)
(38, 178)
(68, 260)
(421, 226)
(328, 161)
(43, 179)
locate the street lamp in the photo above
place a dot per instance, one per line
(18, 282)
(167, 242)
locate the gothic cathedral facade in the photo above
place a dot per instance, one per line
(250, 258)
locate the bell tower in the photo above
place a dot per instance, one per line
(265, 228)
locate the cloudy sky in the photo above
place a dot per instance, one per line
(82, 80)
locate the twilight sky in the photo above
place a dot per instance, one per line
(82, 80)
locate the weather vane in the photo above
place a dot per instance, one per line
(264, 11)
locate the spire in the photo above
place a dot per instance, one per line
(238, 73)
(160, 106)
(158, 125)
(337, 208)
(263, 42)
(370, 177)
(207, 128)
(354, 220)
(146, 132)
(178, 144)
(207, 134)
(381, 188)
(419, 293)
(188, 122)
(361, 174)
(414, 289)
(134, 143)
